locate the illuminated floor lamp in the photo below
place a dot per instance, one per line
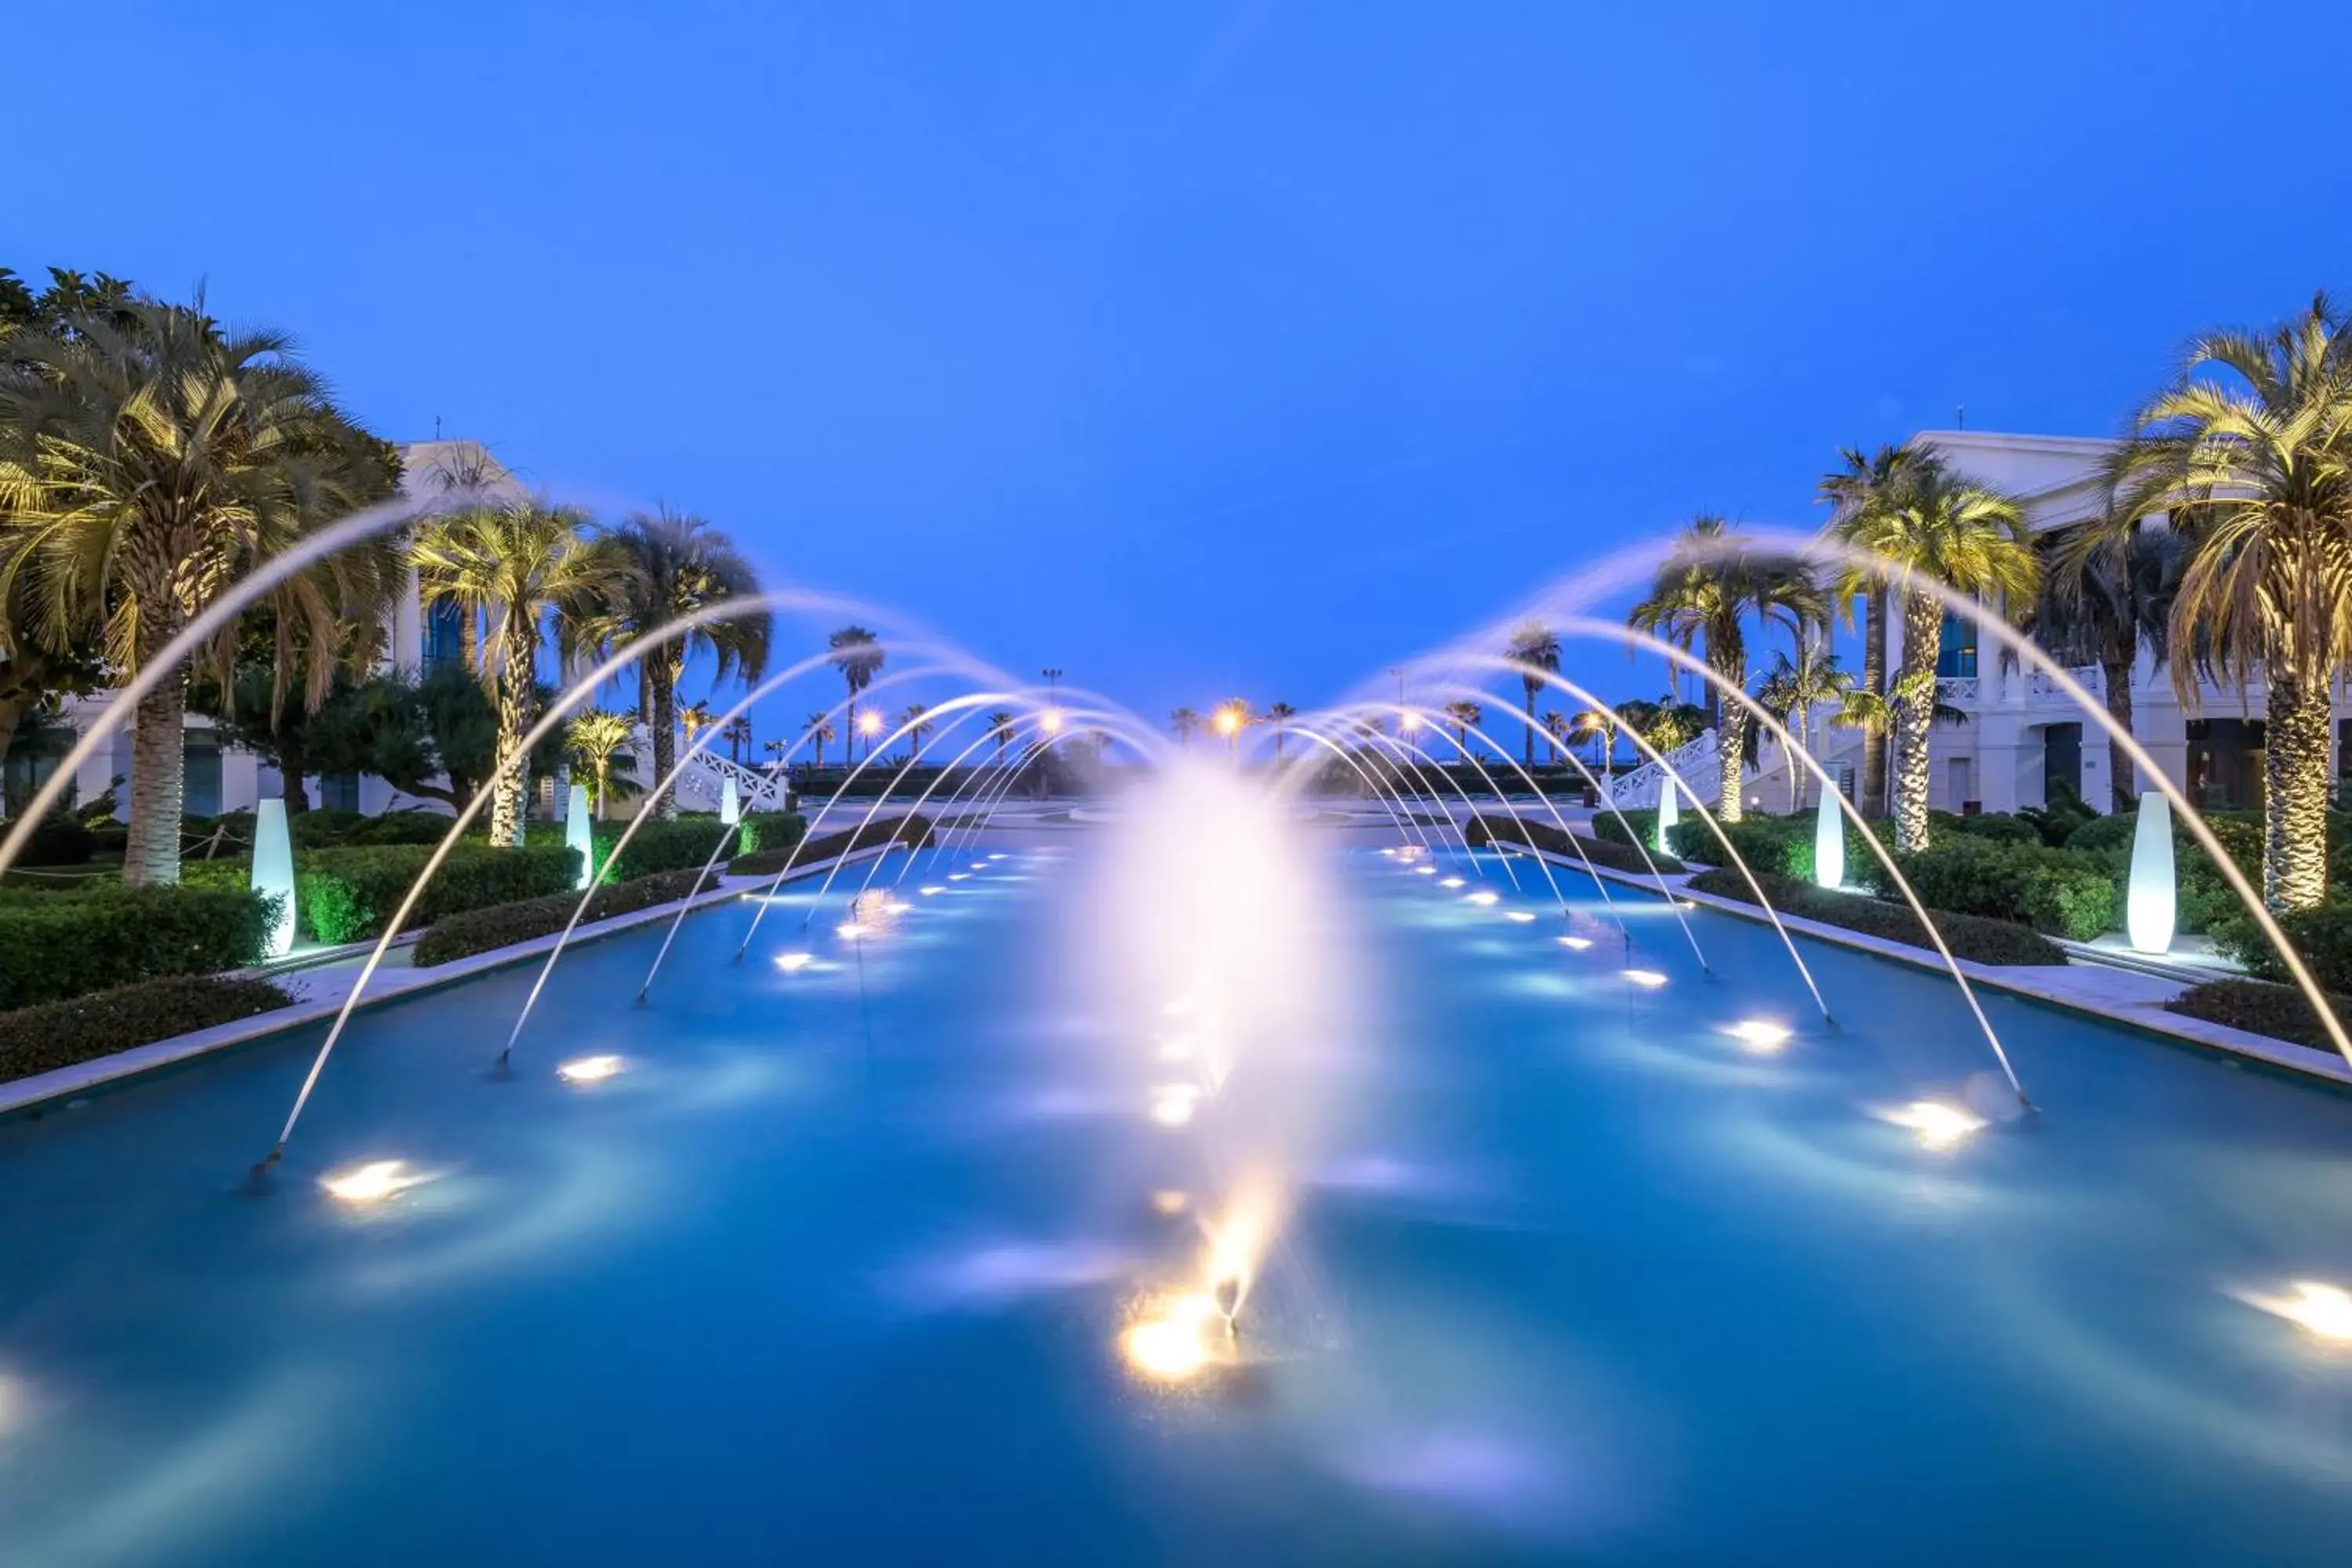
(273, 871)
(1669, 814)
(731, 802)
(2150, 900)
(1829, 841)
(578, 832)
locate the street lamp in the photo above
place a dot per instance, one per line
(869, 725)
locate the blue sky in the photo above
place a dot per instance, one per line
(1203, 350)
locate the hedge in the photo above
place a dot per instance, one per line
(2279, 1011)
(57, 839)
(59, 945)
(2053, 890)
(2323, 935)
(1969, 936)
(60, 1033)
(771, 830)
(912, 830)
(479, 930)
(349, 895)
(1615, 854)
(681, 844)
(2206, 902)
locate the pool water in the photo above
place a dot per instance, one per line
(837, 1266)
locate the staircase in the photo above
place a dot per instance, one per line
(1699, 763)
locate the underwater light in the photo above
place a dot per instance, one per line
(1429, 872)
(1576, 943)
(1172, 1103)
(996, 857)
(1451, 882)
(1648, 979)
(1521, 917)
(957, 875)
(2324, 1311)
(1168, 1346)
(1170, 1202)
(793, 962)
(372, 1183)
(932, 890)
(1483, 900)
(589, 1069)
(1389, 851)
(1936, 1124)
(896, 908)
(849, 931)
(1759, 1035)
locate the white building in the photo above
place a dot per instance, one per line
(2022, 737)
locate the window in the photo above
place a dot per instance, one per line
(1957, 655)
(441, 645)
(339, 792)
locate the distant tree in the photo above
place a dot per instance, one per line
(999, 728)
(694, 718)
(737, 733)
(1184, 722)
(1792, 689)
(1279, 715)
(820, 730)
(1465, 717)
(597, 738)
(859, 655)
(1555, 725)
(1535, 647)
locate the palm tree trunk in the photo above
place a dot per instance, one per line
(158, 780)
(1874, 680)
(470, 637)
(515, 695)
(1796, 768)
(1730, 735)
(2122, 780)
(1915, 718)
(1530, 687)
(2294, 777)
(661, 687)
(604, 770)
(293, 778)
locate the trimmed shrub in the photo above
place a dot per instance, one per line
(2052, 890)
(2003, 829)
(911, 830)
(59, 945)
(322, 827)
(411, 827)
(1644, 820)
(2279, 1011)
(1617, 856)
(771, 830)
(1970, 937)
(59, 839)
(682, 844)
(60, 1033)
(2324, 937)
(479, 930)
(347, 894)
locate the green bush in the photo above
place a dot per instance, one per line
(2206, 901)
(2003, 829)
(683, 844)
(2279, 1011)
(1766, 843)
(915, 831)
(2052, 890)
(1617, 855)
(323, 826)
(60, 1033)
(413, 826)
(59, 839)
(771, 830)
(349, 894)
(60, 945)
(503, 925)
(1970, 937)
(2324, 937)
(1642, 819)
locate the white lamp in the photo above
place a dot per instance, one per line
(1669, 814)
(1829, 841)
(731, 804)
(273, 871)
(578, 832)
(2150, 897)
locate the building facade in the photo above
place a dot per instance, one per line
(2018, 739)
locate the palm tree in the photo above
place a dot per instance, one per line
(694, 718)
(2107, 592)
(1703, 592)
(1792, 689)
(1668, 724)
(737, 733)
(1231, 718)
(1594, 723)
(521, 562)
(1536, 648)
(1554, 726)
(1000, 728)
(1279, 715)
(778, 749)
(1183, 722)
(2250, 453)
(1964, 536)
(679, 565)
(1463, 717)
(819, 731)
(149, 461)
(594, 739)
(1869, 482)
(917, 727)
(857, 654)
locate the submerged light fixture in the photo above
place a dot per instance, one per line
(1936, 1124)
(1482, 899)
(793, 962)
(1449, 882)
(1647, 979)
(849, 931)
(372, 1183)
(1760, 1035)
(589, 1069)
(2323, 1311)
(1519, 917)
(1576, 943)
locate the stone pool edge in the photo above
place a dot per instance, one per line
(2035, 983)
(66, 1083)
